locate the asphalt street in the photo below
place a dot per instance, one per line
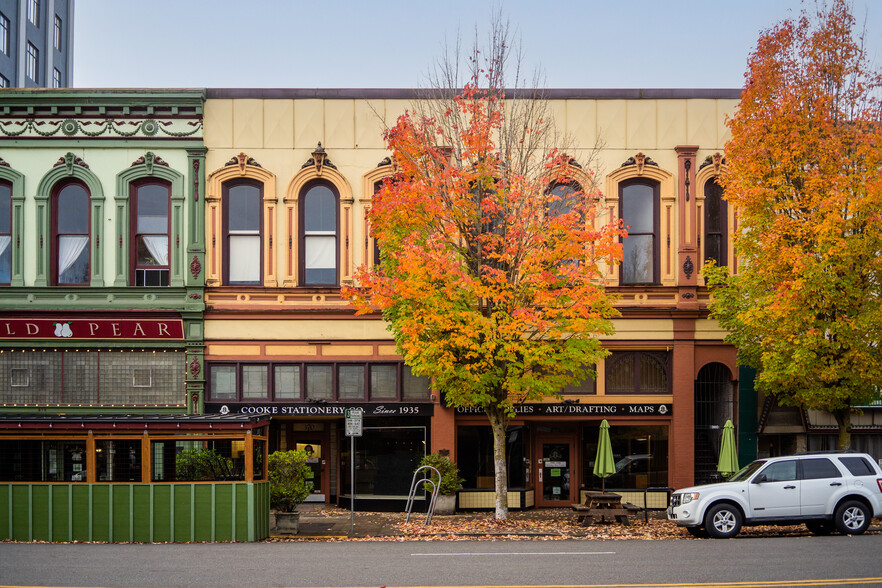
(782, 560)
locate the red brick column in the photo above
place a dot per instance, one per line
(443, 430)
(682, 433)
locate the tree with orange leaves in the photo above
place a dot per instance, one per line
(491, 256)
(804, 177)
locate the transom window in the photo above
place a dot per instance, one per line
(5, 232)
(319, 243)
(243, 231)
(71, 236)
(638, 372)
(150, 227)
(639, 201)
(316, 381)
(715, 223)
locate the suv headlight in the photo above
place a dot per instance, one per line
(688, 497)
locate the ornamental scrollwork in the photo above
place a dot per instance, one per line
(95, 128)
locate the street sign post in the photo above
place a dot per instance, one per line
(353, 430)
(354, 422)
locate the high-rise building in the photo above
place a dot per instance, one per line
(36, 43)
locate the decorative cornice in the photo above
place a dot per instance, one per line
(149, 159)
(717, 160)
(319, 159)
(69, 160)
(95, 127)
(242, 160)
(639, 160)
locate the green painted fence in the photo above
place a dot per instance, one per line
(144, 513)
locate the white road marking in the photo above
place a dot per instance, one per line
(479, 553)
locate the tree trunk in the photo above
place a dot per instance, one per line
(497, 425)
(843, 419)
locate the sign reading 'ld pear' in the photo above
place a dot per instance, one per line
(65, 328)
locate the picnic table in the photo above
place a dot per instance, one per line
(603, 505)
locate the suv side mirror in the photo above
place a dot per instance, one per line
(760, 479)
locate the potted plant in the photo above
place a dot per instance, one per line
(449, 483)
(290, 484)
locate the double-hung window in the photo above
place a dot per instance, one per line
(4, 34)
(243, 262)
(5, 233)
(57, 35)
(639, 202)
(319, 242)
(71, 234)
(150, 227)
(34, 12)
(32, 63)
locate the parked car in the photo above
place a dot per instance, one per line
(825, 491)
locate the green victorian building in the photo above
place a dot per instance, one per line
(101, 324)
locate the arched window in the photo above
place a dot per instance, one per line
(70, 234)
(639, 206)
(150, 228)
(243, 231)
(5, 233)
(638, 372)
(715, 223)
(319, 230)
(561, 199)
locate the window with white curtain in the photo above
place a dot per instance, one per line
(319, 235)
(150, 217)
(5, 232)
(243, 262)
(71, 236)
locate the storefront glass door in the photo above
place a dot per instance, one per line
(313, 439)
(555, 469)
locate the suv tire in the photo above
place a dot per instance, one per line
(820, 527)
(723, 521)
(852, 517)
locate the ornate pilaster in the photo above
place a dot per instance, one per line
(687, 249)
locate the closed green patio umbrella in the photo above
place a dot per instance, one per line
(604, 463)
(728, 463)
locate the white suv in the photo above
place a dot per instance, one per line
(826, 491)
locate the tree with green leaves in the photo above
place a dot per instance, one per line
(804, 161)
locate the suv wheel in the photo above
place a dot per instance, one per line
(722, 521)
(820, 527)
(852, 517)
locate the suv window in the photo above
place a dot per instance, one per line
(817, 468)
(780, 471)
(858, 466)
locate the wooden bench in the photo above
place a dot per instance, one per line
(603, 505)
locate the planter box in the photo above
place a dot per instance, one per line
(287, 523)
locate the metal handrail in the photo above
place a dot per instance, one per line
(413, 487)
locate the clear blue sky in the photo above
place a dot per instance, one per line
(392, 43)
